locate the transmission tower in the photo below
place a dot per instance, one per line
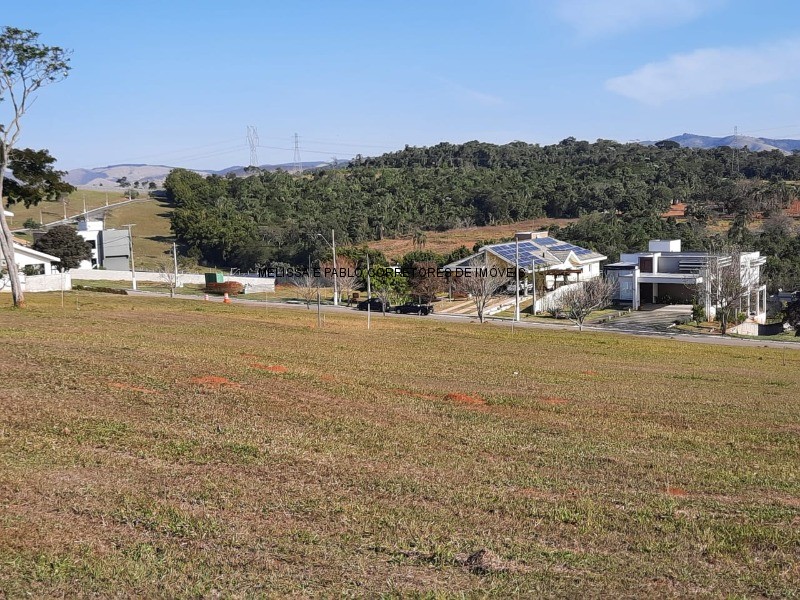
(298, 165)
(252, 141)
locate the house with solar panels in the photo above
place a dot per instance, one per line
(551, 260)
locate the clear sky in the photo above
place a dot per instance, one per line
(177, 82)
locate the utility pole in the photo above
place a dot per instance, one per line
(332, 245)
(175, 267)
(369, 294)
(516, 272)
(335, 270)
(319, 306)
(533, 278)
(130, 248)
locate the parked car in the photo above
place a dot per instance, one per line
(413, 308)
(524, 288)
(375, 305)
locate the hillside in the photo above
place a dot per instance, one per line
(106, 177)
(144, 173)
(178, 454)
(152, 237)
(754, 144)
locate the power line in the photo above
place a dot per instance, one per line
(179, 151)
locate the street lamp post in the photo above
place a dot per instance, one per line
(130, 248)
(332, 245)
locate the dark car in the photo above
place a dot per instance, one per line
(413, 308)
(375, 305)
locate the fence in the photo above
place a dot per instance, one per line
(251, 284)
(39, 283)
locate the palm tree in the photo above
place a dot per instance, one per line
(420, 239)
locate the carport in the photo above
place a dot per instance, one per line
(666, 288)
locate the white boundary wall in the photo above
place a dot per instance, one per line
(39, 283)
(251, 284)
(551, 299)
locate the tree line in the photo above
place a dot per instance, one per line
(619, 191)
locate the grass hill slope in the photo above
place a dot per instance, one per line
(161, 448)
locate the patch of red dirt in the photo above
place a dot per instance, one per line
(676, 210)
(554, 400)
(464, 399)
(132, 388)
(677, 492)
(270, 368)
(590, 372)
(214, 381)
(327, 377)
(794, 208)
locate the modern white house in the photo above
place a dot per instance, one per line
(536, 252)
(110, 247)
(665, 274)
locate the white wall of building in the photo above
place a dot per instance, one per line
(40, 283)
(252, 284)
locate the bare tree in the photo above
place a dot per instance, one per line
(307, 288)
(579, 300)
(727, 278)
(25, 66)
(166, 273)
(481, 281)
(425, 280)
(348, 277)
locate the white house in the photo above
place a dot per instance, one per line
(32, 261)
(666, 274)
(92, 232)
(38, 270)
(111, 248)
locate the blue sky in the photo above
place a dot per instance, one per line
(178, 82)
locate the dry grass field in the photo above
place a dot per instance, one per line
(452, 239)
(177, 448)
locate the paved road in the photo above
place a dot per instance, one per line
(650, 319)
(671, 334)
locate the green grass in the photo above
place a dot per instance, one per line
(153, 447)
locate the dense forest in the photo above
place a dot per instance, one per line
(618, 190)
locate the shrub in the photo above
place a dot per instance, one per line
(698, 313)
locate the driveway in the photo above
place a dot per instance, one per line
(649, 319)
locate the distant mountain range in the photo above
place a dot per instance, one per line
(756, 144)
(106, 177)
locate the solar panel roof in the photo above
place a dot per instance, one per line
(532, 250)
